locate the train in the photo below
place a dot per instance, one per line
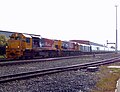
(21, 45)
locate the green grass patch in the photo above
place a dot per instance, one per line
(108, 79)
(2, 56)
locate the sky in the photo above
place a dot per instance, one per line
(93, 20)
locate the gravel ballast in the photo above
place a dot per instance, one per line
(70, 81)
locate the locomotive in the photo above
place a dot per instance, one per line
(21, 45)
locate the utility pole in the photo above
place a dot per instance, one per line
(116, 32)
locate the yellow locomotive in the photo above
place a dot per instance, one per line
(18, 44)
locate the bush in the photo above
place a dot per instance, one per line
(3, 40)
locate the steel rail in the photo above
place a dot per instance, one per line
(24, 75)
(35, 60)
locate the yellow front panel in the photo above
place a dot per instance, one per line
(14, 43)
(13, 49)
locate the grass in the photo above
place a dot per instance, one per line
(108, 79)
(2, 56)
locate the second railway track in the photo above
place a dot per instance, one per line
(10, 62)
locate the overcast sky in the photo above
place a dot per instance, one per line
(92, 20)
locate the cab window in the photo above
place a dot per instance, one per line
(28, 40)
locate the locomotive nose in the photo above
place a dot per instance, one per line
(11, 54)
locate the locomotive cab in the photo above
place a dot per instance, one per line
(36, 41)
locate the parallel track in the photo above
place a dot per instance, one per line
(35, 60)
(5, 63)
(24, 75)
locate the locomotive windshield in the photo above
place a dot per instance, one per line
(15, 37)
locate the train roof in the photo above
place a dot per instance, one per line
(81, 41)
(96, 44)
(26, 35)
(36, 36)
(86, 42)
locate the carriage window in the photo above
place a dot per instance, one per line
(28, 40)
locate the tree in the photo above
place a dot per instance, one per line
(3, 40)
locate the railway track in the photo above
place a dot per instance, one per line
(10, 62)
(34, 59)
(4, 63)
(25, 75)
